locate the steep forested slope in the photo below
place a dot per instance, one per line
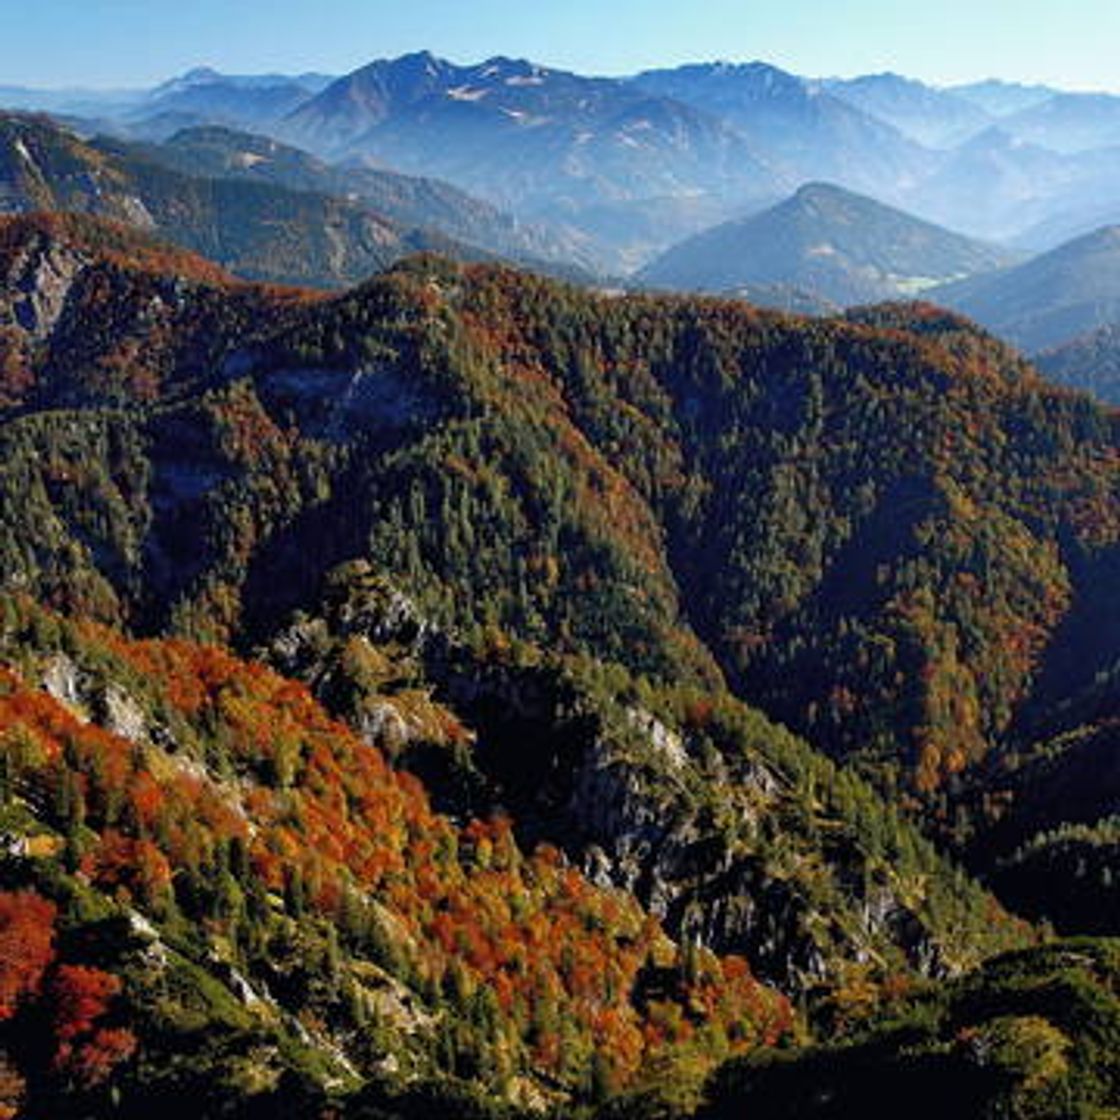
(629, 478)
(255, 906)
(258, 228)
(244, 889)
(411, 202)
(519, 539)
(212, 499)
(1032, 1035)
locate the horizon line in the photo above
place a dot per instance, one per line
(125, 87)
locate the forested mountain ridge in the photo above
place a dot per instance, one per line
(625, 422)
(168, 313)
(286, 227)
(521, 538)
(409, 201)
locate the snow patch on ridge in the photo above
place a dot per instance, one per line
(465, 93)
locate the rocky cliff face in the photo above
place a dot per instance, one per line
(700, 838)
(38, 280)
(727, 845)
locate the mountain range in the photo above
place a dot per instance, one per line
(634, 164)
(558, 146)
(935, 118)
(805, 131)
(686, 177)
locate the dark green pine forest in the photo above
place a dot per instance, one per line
(472, 695)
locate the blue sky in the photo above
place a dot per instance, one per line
(1074, 43)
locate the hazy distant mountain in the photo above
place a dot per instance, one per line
(205, 95)
(200, 96)
(365, 98)
(639, 229)
(203, 80)
(807, 131)
(837, 245)
(220, 152)
(999, 99)
(934, 117)
(994, 185)
(1000, 186)
(1070, 223)
(87, 103)
(543, 141)
(1070, 122)
(1050, 299)
(1090, 362)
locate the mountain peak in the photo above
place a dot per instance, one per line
(755, 72)
(834, 200)
(192, 79)
(815, 191)
(511, 71)
(842, 247)
(417, 71)
(725, 66)
(200, 74)
(420, 58)
(505, 62)
(420, 62)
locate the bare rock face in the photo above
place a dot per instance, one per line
(647, 835)
(689, 838)
(333, 405)
(382, 725)
(40, 282)
(666, 744)
(135, 213)
(123, 716)
(60, 680)
(110, 707)
(361, 602)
